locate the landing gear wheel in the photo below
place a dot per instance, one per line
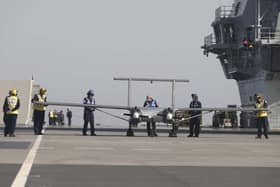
(129, 132)
(173, 132)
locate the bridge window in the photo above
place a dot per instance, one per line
(217, 34)
(229, 33)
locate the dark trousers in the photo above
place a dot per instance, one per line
(88, 118)
(195, 126)
(5, 123)
(69, 121)
(51, 121)
(38, 120)
(151, 132)
(262, 123)
(10, 124)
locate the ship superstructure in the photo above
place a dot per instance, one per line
(246, 40)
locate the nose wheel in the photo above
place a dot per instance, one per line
(173, 132)
(129, 131)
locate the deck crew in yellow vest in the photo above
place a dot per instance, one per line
(51, 117)
(10, 109)
(261, 116)
(39, 111)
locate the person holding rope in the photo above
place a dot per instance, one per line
(261, 117)
(39, 111)
(195, 117)
(89, 113)
(150, 102)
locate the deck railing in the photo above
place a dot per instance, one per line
(268, 35)
(224, 12)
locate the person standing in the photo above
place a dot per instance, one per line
(51, 118)
(151, 103)
(39, 111)
(10, 109)
(55, 118)
(61, 117)
(89, 113)
(195, 117)
(261, 117)
(69, 116)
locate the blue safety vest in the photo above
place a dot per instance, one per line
(152, 104)
(89, 101)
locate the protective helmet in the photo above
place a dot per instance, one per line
(90, 92)
(13, 92)
(194, 95)
(43, 90)
(257, 95)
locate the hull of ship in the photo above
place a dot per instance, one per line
(269, 89)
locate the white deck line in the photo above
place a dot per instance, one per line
(21, 178)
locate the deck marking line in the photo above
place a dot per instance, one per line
(22, 175)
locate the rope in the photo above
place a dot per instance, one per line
(199, 115)
(112, 115)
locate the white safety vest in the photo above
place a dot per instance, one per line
(12, 103)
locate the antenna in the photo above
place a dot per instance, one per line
(258, 21)
(151, 80)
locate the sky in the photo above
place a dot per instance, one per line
(71, 46)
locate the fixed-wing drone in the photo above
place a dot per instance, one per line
(145, 114)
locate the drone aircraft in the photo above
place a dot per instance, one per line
(145, 114)
(138, 114)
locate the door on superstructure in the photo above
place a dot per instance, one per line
(275, 59)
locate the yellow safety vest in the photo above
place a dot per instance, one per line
(55, 114)
(261, 114)
(12, 103)
(39, 106)
(51, 114)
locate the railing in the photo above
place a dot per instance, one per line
(209, 40)
(268, 35)
(224, 12)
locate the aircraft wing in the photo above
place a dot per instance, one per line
(241, 109)
(84, 105)
(141, 113)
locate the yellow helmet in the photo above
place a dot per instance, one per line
(43, 90)
(257, 95)
(13, 92)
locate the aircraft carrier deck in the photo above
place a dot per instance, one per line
(65, 158)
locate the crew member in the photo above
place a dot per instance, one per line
(51, 117)
(39, 111)
(55, 118)
(69, 116)
(261, 117)
(60, 118)
(151, 103)
(10, 109)
(195, 117)
(89, 113)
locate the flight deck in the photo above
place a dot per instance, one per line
(65, 158)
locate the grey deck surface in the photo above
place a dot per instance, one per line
(65, 158)
(8, 173)
(14, 145)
